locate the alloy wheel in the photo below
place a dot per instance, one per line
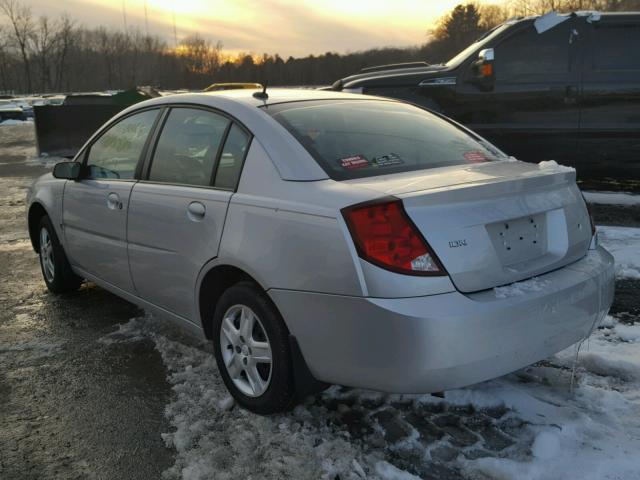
(46, 255)
(246, 350)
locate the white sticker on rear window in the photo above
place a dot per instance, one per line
(387, 160)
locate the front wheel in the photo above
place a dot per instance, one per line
(55, 267)
(251, 345)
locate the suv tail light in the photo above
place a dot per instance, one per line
(384, 235)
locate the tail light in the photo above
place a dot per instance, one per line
(384, 235)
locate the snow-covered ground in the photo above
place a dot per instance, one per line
(575, 415)
(612, 198)
(531, 425)
(624, 245)
(10, 122)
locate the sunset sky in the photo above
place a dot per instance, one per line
(295, 28)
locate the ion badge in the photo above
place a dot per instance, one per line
(475, 157)
(353, 162)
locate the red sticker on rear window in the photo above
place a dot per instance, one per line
(353, 162)
(475, 157)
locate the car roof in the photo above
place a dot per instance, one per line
(290, 158)
(282, 95)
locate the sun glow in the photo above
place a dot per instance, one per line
(288, 27)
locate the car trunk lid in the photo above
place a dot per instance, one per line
(495, 223)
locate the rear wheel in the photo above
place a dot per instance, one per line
(251, 345)
(55, 267)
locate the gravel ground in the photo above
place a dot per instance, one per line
(77, 402)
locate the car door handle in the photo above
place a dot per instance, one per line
(113, 201)
(196, 211)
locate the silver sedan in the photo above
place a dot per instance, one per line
(326, 238)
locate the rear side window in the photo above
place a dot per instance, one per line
(230, 166)
(361, 138)
(529, 53)
(616, 47)
(116, 153)
(188, 147)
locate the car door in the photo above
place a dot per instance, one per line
(95, 207)
(177, 212)
(531, 108)
(610, 117)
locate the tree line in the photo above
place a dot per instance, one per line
(44, 54)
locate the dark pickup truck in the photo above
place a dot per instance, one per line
(560, 87)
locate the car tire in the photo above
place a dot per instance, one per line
(241, 355)
(55, 267)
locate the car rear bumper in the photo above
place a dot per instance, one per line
(446, 341)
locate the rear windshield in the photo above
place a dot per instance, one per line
(362, 138)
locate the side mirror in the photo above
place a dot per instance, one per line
(67, 170)
(486, 55)
(483, 74)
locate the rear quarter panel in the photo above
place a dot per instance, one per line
(290, 235)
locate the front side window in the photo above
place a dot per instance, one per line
(117, 152)
(362, 138)
(529, 54)
(478, 45)
(188, 147)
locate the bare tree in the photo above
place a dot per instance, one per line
(21, 20)
(45, 40)
(65, 36)
(4, 59)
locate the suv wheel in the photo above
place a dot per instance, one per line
(251, 345)
(56, 270)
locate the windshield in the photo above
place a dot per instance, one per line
(477, 45)
(362, 138)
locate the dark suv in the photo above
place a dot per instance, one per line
(562, 87)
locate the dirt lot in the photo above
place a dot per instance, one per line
(82, 396)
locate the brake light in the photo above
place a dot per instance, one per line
(384, 235)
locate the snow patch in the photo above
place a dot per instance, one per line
(612, 198)
(389, 472)
(546, 445)
(548, 21)
(624, 244)
(11, 122)
(517, 289)
(552, 165)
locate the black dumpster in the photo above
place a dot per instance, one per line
(62, 129)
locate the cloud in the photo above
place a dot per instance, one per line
(296, 28)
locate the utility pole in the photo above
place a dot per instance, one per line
(124, 15)
(175, 32)
(146, 20)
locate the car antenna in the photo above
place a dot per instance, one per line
(263, 94)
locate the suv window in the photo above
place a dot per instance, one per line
(188, 147)
(116, 153)
(363, 138)
(529, 53)
(616, 47)
(230, 166)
